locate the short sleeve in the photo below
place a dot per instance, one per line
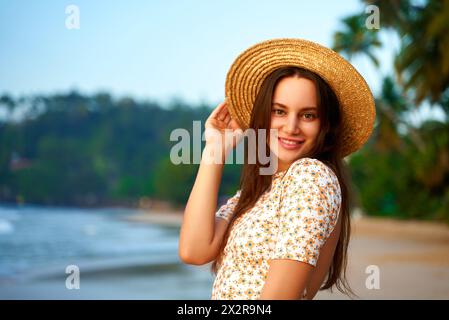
(226, 210)
(308, 212)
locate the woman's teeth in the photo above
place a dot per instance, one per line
(290, 142)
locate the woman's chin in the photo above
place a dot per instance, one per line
(287, 157)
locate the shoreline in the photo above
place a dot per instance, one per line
(140, 204)
(170, 218)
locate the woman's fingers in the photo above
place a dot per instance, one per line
(227, 119)
(223, 113)
(221, 119)
(234, 125)
(216, 112)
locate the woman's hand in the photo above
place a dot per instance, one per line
(222, 132)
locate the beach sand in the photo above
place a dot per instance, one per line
(411, 258)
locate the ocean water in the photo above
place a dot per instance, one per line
(116, 258)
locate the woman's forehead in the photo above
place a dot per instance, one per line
(294, 93)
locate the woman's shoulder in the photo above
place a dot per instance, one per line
(311, 167)
(312, 176)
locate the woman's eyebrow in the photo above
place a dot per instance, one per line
(284, 106)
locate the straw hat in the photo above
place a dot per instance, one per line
(253, 65)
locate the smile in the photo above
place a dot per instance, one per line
(290, 144)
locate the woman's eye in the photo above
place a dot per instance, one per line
(309, 115)
(278, 111)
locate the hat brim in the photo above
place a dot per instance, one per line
(252, 66)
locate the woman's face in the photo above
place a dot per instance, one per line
(294, 113)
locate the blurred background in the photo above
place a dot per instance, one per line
(91, 90)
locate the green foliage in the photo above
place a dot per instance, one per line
(174, 182)
(403, 171)
(81, 150)
(406, 184)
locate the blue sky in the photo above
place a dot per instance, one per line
(160, 50)
(151, 49)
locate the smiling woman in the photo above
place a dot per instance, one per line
(301, 104)
(285, 235)
(297, 126)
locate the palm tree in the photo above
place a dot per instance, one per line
(355, 39)
(422, 65)
(421, 74)
(423, 62)
(395, 14)
(391, 106)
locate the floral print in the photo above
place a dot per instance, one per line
(291, 220)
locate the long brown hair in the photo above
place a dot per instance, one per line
(327, 149)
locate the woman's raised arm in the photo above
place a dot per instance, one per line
(201, 233)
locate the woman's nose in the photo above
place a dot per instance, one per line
(292, 125)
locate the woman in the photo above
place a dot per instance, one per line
(281, 236)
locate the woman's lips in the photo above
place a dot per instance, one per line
(293, 145)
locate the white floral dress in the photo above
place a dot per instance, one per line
(291, 220)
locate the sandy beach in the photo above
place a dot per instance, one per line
(411, 257)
